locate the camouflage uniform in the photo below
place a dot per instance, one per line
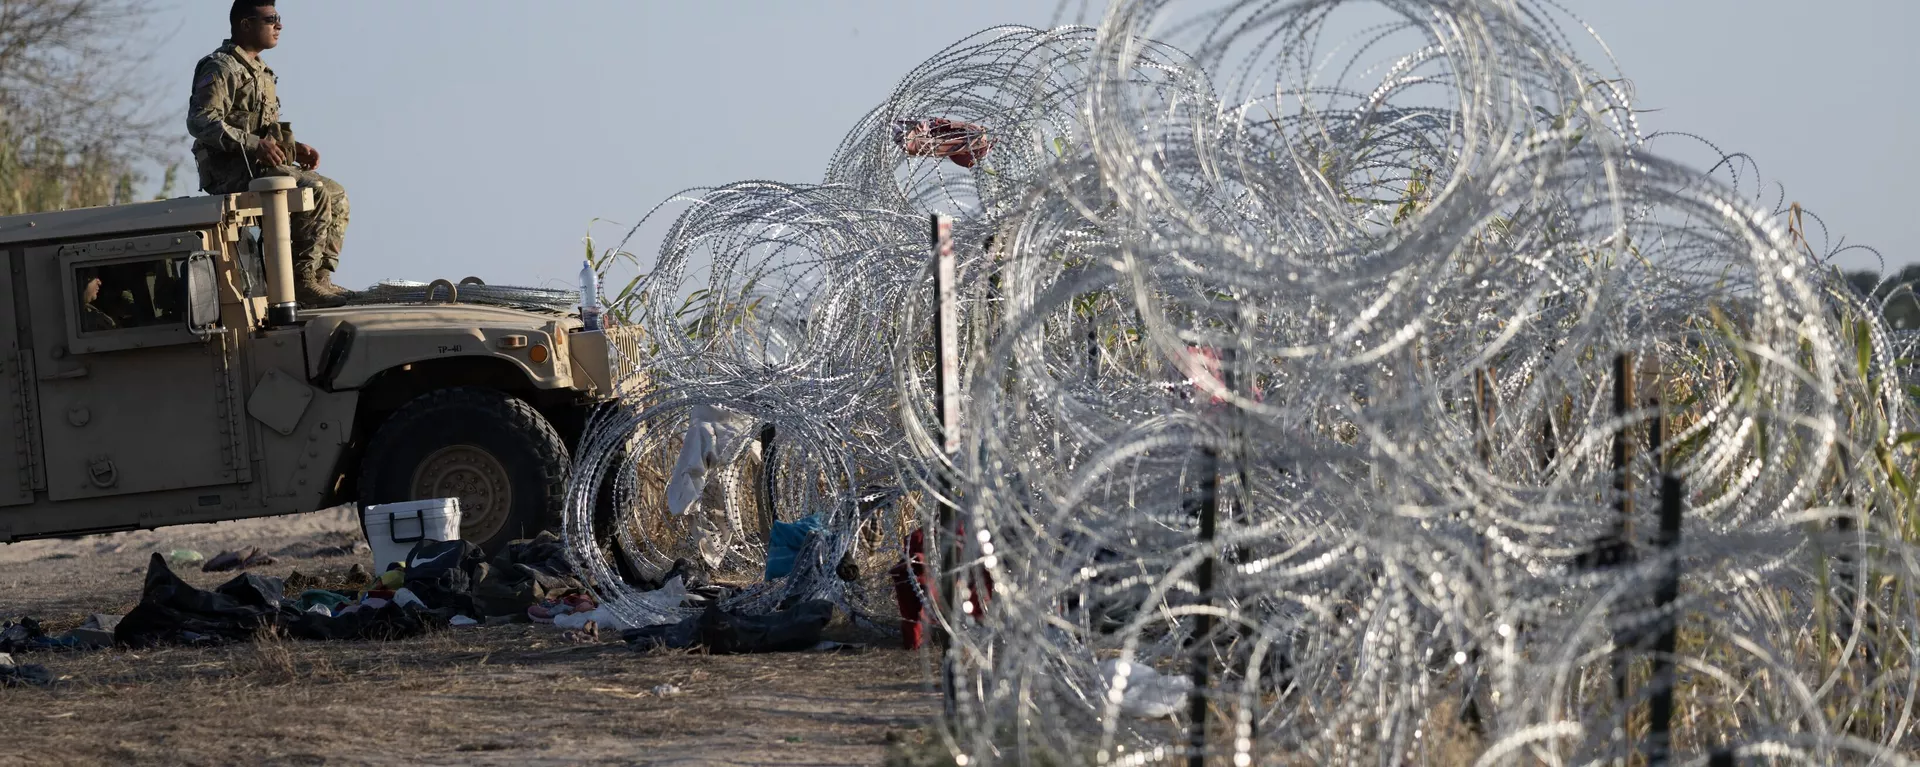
(234, 105)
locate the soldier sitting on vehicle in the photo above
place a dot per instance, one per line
(234, 116)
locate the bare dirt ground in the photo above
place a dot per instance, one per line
(519, 694)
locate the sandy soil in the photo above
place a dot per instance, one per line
(521, 695)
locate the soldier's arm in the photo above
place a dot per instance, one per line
(207, 110)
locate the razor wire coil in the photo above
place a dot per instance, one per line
(1359, 281)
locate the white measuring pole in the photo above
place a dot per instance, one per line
(947, 343)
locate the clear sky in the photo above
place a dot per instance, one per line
(481, 136)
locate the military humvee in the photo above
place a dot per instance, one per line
(155, 370)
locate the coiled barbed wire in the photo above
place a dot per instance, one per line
(1377, 303)
(469, 291)
(781, 303)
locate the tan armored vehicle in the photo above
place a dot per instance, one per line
(155, 370)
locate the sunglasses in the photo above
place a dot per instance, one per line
(271, 21)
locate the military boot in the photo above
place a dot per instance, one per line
(326, 281)
(312, 293)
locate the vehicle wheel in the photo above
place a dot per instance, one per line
(495, 453)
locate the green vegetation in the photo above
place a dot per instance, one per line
(77, 121)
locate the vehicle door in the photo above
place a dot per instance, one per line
(132, 398)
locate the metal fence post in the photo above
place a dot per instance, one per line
(946, 387)
(1619, 547)
(1660, 707)
(1483, 421)
(1202, 643)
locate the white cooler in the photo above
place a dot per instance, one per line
(394, 528)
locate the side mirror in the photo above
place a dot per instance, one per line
(203, 294)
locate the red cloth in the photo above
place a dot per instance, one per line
(963, 143)
(913, 613)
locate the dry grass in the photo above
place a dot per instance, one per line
(515, 694)
(520, 694)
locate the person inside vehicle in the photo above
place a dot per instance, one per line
(91, 317)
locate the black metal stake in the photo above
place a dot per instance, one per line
(1483, 418)
(1846, 575)
(1660, 709)
(1623, 451)
(1844, 571)
(1201, 641)
(1282, 663)
(1615, 548)
(1619, 548)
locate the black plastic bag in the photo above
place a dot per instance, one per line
(677, 636)
(728, 633)
(792, 630)
(171, 610)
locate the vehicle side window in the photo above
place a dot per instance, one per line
(137, 294)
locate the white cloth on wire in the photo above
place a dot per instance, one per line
(711, 435)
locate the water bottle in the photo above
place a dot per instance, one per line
(589, 296)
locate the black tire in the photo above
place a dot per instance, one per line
(440, 444)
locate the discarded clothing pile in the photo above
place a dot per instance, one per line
(564, 609)
(723, 632)
(579, 611)
(173, 612)
(440, 584)
(454, 579)
(455, 574)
